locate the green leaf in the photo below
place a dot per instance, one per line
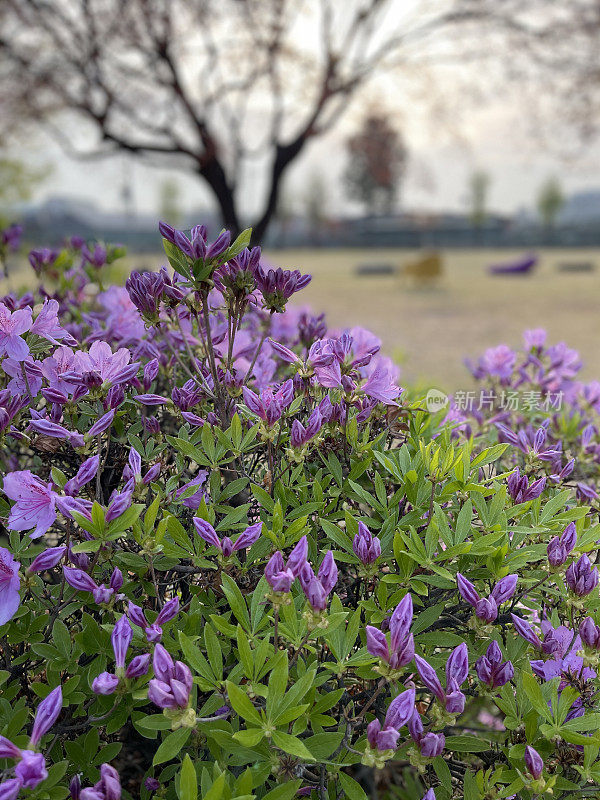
(188, 781)
(292, 745)
(236, 601)
(241, 704)
(285, 791)
(467, 744)
(171, 745)
(352, 789)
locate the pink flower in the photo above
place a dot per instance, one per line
(12, 326)
(35, 505)
(111, 367)
(47, 325)
(380, 384)
(9, 585)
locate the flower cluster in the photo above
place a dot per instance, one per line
(239, 560)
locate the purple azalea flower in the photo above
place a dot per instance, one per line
(172, 684)
(430, 744)
(47, 326)
(107, 788)
(9, 585)
(486, 609)
(533, 762)
(195, 499)
(401, 639)
(317, 587)
(154, 631)
(581, 578)
(110, 368)
(366, 547)
(246, 539)
(12, 326)
(490, 668)
(35, 503)
(381, 385)
(457, 669)
(559, 547)
(48, 559)
(398, 714)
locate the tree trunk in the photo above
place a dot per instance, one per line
(214, 174)
(284, 155)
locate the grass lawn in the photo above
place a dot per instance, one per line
(430, 330)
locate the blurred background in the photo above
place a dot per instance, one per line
(435, 164)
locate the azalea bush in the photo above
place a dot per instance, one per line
(239, 561)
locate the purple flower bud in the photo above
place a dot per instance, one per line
(137, 615)
(278, 577)
(377, 644)
(219, 246)
(557, 552)
(429, 794)
(206, 531)
(366, 547)
(401, 621)
(31, 769)
(46, 560)
(86, 472)
(248, 537)
(168, 611)
(162, 663)
(525, 630)
(152, 474)
(314, 591)
(457, 666)
(75, 787)
(105, 683)
(400, 710)
(138, 666)
(151, 784)
(102, 424)
(297, 558)
(116, 579)
(533, 762)
(120, 638)
(150, 373)
(590, 633)
(486, 609)
(79, 580)
(581, 578)
(432, 745)
(505, 589)
(118, 505)
(467, 591)
(328, 572)
(135, 463)
(10, 788)
(226, 546)
(569, 537)
(429, 677)
(46, 715)
(151, 399)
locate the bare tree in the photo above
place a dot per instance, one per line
(212, 84)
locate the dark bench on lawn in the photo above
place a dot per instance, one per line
(372, 270)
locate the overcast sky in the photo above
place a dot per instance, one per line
(494, 135)
(439, 168)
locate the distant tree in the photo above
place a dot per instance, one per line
(376, 163)
(550, 202)
(213, 85)
(169, 208)
(18, 180)
(315, 204)
(479, 184)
